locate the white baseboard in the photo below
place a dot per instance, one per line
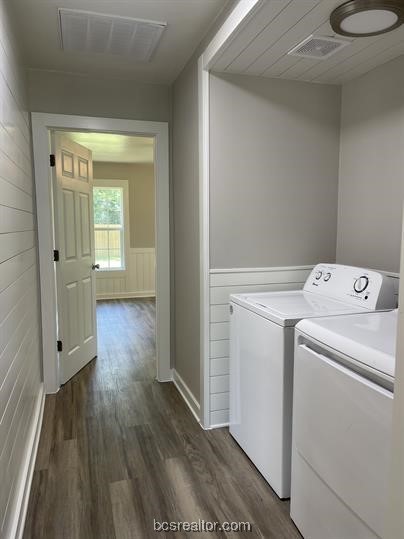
(218, 426)
(24, 488)
(169, 377)
(128, 295)
(187, 395)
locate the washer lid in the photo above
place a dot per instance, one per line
(287, 308)
(368, 338)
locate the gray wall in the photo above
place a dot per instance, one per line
(140, 177)
(20, 343)
(371, 181)
(185, 215)
(274, 171)
(186, 226)
(68, 93)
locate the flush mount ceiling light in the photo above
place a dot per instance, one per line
(362, 18)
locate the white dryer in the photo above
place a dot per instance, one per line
(261, 357)
(342, 425)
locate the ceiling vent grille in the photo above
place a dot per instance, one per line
(84, 31)
(318, 48)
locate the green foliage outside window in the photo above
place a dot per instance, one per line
(107, 206)
(108, 227)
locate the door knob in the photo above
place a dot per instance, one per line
(95, 266)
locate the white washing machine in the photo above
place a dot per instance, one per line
(261, 357)
(342, 425)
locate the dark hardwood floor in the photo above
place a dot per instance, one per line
(119, 449)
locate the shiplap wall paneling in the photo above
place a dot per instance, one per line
(20, 370)
(222, 284)
(138, 280)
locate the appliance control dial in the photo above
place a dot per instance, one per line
(327, 276)
(361, 284)
(318, 275)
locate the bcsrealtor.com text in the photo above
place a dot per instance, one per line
(202, 526)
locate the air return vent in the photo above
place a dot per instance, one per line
(84, 31)
(318, 48)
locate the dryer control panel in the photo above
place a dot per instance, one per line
(357, 286)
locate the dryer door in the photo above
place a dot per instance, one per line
(341, 449)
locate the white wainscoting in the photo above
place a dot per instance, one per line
(224, 282)
(137, 281)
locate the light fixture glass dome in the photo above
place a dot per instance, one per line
(359, 18)
(365, 22)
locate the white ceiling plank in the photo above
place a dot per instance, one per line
(305, 26)
(385, 42)
(280, 66)
(258, 22)
(289, 16)
(379, 59)
(294, 72)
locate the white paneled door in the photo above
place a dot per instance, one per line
(74, 239)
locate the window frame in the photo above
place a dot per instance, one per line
(122, 184)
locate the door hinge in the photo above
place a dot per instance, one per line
(56, 255)
(59, 346)
(52, 160)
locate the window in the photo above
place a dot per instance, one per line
(109, 227)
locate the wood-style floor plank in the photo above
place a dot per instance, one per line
(118, 450)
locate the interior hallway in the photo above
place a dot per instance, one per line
(119, 449)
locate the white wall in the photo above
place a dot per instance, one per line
(20, 370)
(68, 93)
(274, 149)
(371, 179)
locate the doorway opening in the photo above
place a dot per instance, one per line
(105, 181)
(108, 197)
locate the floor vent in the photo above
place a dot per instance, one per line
(84, 31)
(318, 48)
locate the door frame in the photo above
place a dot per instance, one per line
(42, 125)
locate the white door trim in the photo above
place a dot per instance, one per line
(204, 248)
(42, 123)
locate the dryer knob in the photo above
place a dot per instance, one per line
(318, 275)
(327, 277)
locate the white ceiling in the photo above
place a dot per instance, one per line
(112, 148)
(260, 47)
(187, 22)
